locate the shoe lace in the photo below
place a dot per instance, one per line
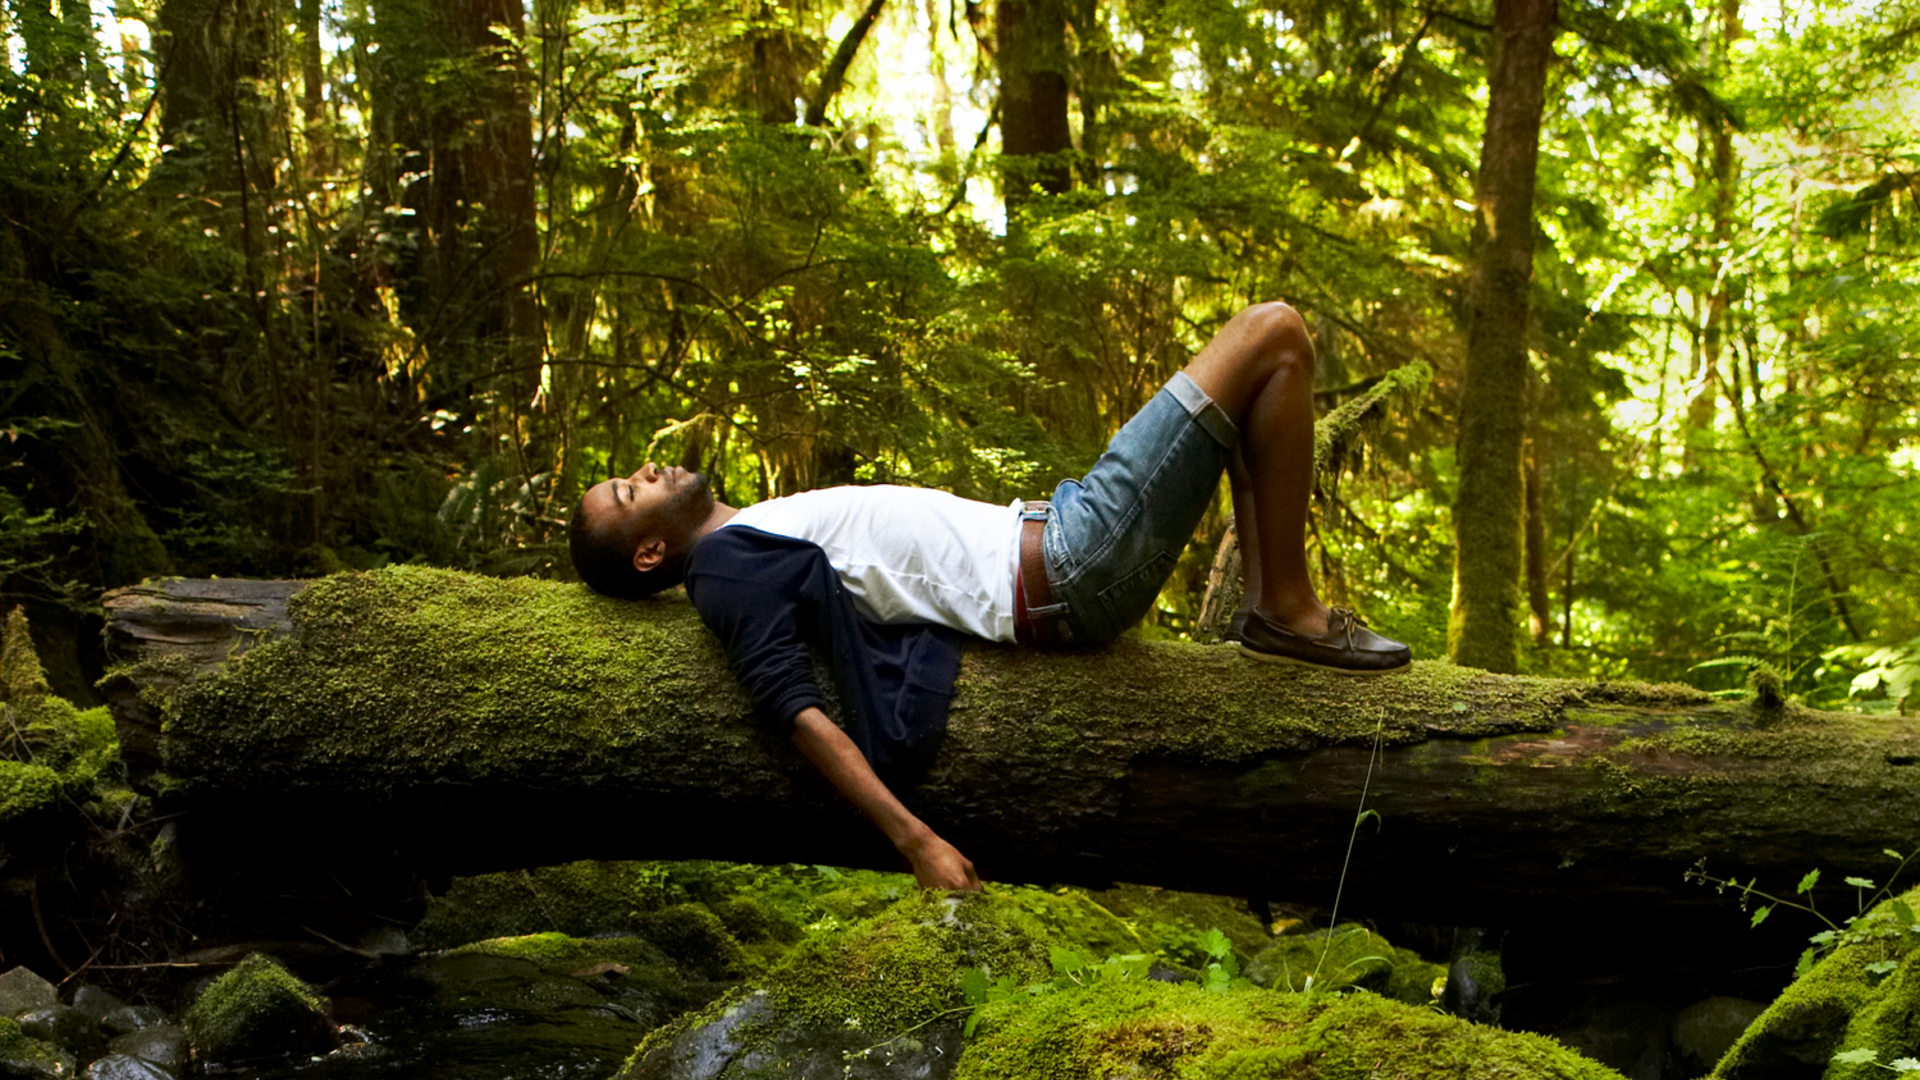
(1344, 620)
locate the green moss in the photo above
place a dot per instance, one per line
(562, 953)
(410, 670)
(257, 1008)
(1168, 1030)
(49, 750)
(1347, 956)
(903, 966)
(26, 787)
(883, 977)
(22, 1054)
(1864, 995)
(578, 898)
(1169, 922)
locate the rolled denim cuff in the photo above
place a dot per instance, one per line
(1205, 411)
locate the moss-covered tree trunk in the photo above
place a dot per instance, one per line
(1484, 628)
(482, 724)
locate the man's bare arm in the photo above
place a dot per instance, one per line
(936, 863)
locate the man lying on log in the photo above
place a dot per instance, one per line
(882, 580)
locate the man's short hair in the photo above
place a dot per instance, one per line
(604, 560)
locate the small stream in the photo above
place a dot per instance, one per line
(475, 1017)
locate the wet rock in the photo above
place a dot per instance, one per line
(750, 1037)
(126, 1067)
(1704, 1031)
(881, 999)
(131, 1018)
(385, 941)
(1862, 996)
(65, 1027)
(255, 1010)
(161, 1044)
(27, 1058)
(631, 975)
(1474, 984)
(22, 991)
(1346, 956)
(95, 1003)
(1149, 1029)
(1629, 1034)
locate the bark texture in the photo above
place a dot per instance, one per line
(1031, 40)
(480, 724)
(1483, 630)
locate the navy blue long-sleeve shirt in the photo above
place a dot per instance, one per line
(771, 599)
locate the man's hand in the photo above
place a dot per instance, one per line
(936, 863)
(939, 865)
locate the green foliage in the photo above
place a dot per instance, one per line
(266, 315)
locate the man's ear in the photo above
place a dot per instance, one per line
(649, 555)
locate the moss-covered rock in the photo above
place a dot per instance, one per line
(1349, 955)
(578, 898)
(258, 1009)
(880, 998)
(29, 1058)
(1475, 982)
(761, 911)
(1863, 996)
(1177, 1030)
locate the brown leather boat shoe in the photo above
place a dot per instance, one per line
(1347, 647)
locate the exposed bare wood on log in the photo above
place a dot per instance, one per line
(482, 724)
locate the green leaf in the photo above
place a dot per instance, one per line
(1807, 883)
(1215, 943)
(975, 985)
(1881, 967)
(1891, 854)
(1855, 1057)
(1364, 815)
(1067, 961)
(1905, 1065)
(1805, 963)
(1760, 914)
(972, 1022)
(1861, 883)
(1824, 937)
(1901, 911)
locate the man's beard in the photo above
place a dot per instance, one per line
(686, 509)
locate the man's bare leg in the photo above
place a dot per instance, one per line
(1259, 369)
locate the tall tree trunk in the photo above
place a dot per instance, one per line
(1031, 53)
(835, 76)
(1722, 171)
(1488, 512)
(1540, 619)
(466, 153)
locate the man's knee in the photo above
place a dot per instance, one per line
(1278, 332)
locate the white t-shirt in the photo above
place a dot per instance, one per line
(909, 554)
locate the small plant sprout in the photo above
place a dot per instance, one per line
(1867, 893)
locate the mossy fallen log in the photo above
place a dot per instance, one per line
(481, 724)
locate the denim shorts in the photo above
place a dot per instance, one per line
(1114, 535)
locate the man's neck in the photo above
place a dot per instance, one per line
(722, 513)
